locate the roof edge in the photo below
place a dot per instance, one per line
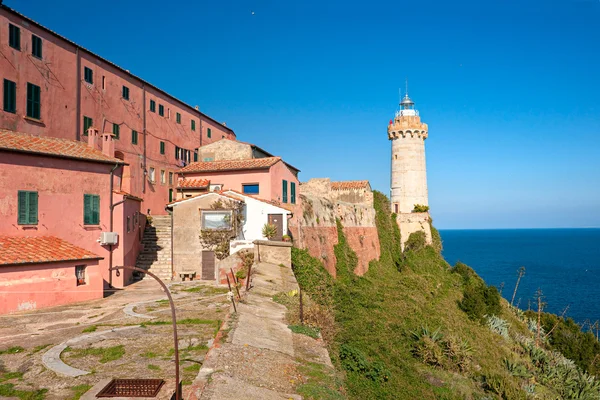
(52, 261)
(39, 153)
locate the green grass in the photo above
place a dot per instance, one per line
(91, 328)
(12, 350)
(193, 368)
(8, 390)
(106, 354)
(10, 375)
(153, 367)
(320, 383)
(79, 391)
(149, 354)
(305, 330)
(185, 321)
(39, 348)
(163, 302)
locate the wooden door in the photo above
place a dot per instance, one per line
(208, 265)
(277, 220)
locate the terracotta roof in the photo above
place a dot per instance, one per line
(192, 183)
(205, 194)
(231, 165)
(349, 185)
(128, 195)
(123, 70)
(270, 202)
(54, 147)
(253, 146)
(41, 249)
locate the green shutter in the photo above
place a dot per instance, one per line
(10, 96)
(87, 209)
(152, 106)
(285, 191)
(14, 37)
(33, 207)
(95, 210)
(162, 147)
(134, 137)
(293, 192)
(195, 155)
(178, 118)
(87, 123)
(116, 130)
(36, 46)
(193, 125)
(208, 132)
(23, 209)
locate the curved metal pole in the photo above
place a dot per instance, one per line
(173, 317)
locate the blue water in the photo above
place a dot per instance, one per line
(563, 263)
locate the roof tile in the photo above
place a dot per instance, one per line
(193, 183)
(342, 185)
(24, 142)
(40, 249)
(231, 165)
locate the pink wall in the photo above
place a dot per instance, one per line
(56, 74)
(279, 172)
(60, 184)
(34, 286)
(235, 179)
(126, 252)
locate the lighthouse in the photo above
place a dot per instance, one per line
(408, 183)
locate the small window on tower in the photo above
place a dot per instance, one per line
(396, 208)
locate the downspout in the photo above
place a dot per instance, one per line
(170, 211)
(112, 206)
(78, 106)
(145, 137)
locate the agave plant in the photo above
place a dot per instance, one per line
(516, 369)
(498, 325)
(434, 335)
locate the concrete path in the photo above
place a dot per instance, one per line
(258, 358)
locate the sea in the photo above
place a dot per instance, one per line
(563, 263)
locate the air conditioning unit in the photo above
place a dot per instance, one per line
(216, 188)
(107, 238)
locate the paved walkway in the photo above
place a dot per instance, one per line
(258, 358)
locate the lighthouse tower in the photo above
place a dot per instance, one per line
(409, 174)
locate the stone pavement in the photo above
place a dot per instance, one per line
(258, 358)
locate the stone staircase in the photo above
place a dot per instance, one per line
(156, 254)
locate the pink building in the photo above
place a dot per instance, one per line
(62, 188)
(43, 271)
(54, 87)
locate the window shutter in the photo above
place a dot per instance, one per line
(87, 209)
(293, 192)
(285, 192)
(33, 207)
(96, 210)
(22, 219)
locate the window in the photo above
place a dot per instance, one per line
(80, 274)
(396, 208)
(87, 123)
(284, 191)
(250, 188)
(14, 37)
(10, 96)
(88, 75)
(177, 151)
(178, 118)
(207, 159)
(91, 209)
(152, 175)
(28, 208)
(193, 125)
(170, 195)
(134, 137)
(162, 147)
(170, 178)
(152, 106)
(293, 192)
(208, 132)
(216, 220)
(161, 110)
(125, 92)
(128, 224)
(33, 101)
(195, 155)
(36, 46)
(116, 129)
(103, 82)
(163, 177)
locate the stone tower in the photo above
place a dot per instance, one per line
(408, 183)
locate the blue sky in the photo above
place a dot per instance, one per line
(510, 89)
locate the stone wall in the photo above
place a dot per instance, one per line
(314, 224)
(414, 222)
(273, 252)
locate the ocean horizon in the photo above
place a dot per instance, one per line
(563, 262)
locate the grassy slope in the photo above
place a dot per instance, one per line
(375, 315)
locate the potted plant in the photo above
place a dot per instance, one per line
(269, 231)
(286, 238)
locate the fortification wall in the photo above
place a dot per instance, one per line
(414, 222)
(314, 226)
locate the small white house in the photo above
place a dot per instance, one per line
(257, 213)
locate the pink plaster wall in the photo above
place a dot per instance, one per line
(56, 74)
(60, 184)
(35, 286)
(126, 252)
(279, 172)
(235, 179)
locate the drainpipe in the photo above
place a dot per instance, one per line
(145, 138)
(78, 107)
(112, 207)
(172, 256)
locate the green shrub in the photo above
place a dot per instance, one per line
(480, 300)
(354, 361)
(416, 241)
(420, 208)
(468, 274)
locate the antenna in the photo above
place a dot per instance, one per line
(407, 86)
(399, 95)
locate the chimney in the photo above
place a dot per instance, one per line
(108, 144)
(92, 137)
